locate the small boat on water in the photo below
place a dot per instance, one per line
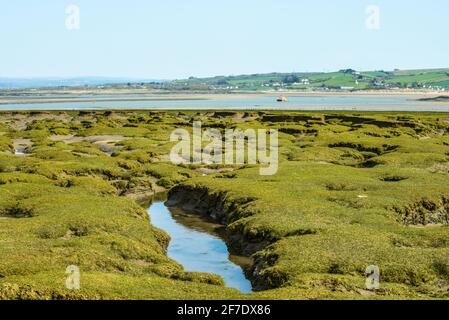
(282, 99)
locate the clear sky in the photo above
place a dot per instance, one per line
(179, 38)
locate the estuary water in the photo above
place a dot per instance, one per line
(237, 103)
(198, 245)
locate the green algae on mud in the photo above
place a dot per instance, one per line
(353, 190)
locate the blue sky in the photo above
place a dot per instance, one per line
(180, 38)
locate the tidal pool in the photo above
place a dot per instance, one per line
(198, 245)
(20, 152)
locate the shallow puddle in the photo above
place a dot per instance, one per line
(20, 152)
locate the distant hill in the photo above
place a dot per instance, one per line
(19, 83)
(346, 79)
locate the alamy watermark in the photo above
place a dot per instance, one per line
(372, 281)
(235, 146)
(72, 21)
(72, 281)
(372, 21)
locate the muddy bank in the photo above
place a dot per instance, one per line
(218, 207)
(143, 194)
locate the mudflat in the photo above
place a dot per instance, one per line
(353, 190)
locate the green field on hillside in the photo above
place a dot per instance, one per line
(344, 78)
